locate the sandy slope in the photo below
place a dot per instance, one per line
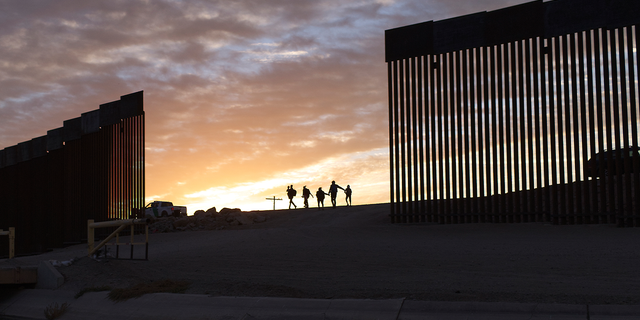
(356, 253)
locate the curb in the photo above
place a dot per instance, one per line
(31, 303)
(415, 306)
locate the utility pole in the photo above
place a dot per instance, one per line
(274, 201)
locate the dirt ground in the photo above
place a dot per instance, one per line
(355, 252)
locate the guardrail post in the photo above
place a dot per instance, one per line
(121, 224)
(101, 244)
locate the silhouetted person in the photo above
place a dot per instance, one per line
(288, 193)
(291, 192)
(305, 194)
(347, 191)
(320, 196)
(333, 192)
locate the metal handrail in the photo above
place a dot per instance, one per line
(121, 224)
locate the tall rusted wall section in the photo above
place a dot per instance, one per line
(494, 115)
(90, 168)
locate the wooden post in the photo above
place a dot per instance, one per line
(274, 201)
(121, 224)
(120, 228)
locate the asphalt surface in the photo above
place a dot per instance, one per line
(31, 304)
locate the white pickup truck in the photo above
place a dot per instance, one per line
(158, 209)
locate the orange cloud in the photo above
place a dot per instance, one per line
(242, 98)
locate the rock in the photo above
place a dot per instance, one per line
(162, 225)
(181, 222)
(207, 220)
(244, 218)
(202, 218)
(226, 211)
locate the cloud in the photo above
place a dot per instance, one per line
(239, 95)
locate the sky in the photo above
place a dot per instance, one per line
(241, 98)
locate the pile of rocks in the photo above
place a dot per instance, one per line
(207, 220)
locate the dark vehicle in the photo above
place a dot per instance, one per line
(612, 162)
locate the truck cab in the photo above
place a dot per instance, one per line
(160, 209)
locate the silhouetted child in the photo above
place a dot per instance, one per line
(320, 196)
(347, 191)
(291, 192)
(305, 195)
(333, 192)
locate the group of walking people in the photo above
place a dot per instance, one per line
(306, 193)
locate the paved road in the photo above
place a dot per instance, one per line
(30, 304)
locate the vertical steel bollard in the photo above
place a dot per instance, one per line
(90, 235)
(12, 244)
(131, 241)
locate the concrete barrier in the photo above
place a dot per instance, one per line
(48, 276)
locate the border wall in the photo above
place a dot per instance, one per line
(494, 116)
(91, 168)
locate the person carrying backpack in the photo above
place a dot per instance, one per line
(305, 195)
(291, 193)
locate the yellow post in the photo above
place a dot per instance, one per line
(92, 251)
(121, 224)
(12, 237)
(90, 235)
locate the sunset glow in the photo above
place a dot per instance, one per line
(242, 98)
